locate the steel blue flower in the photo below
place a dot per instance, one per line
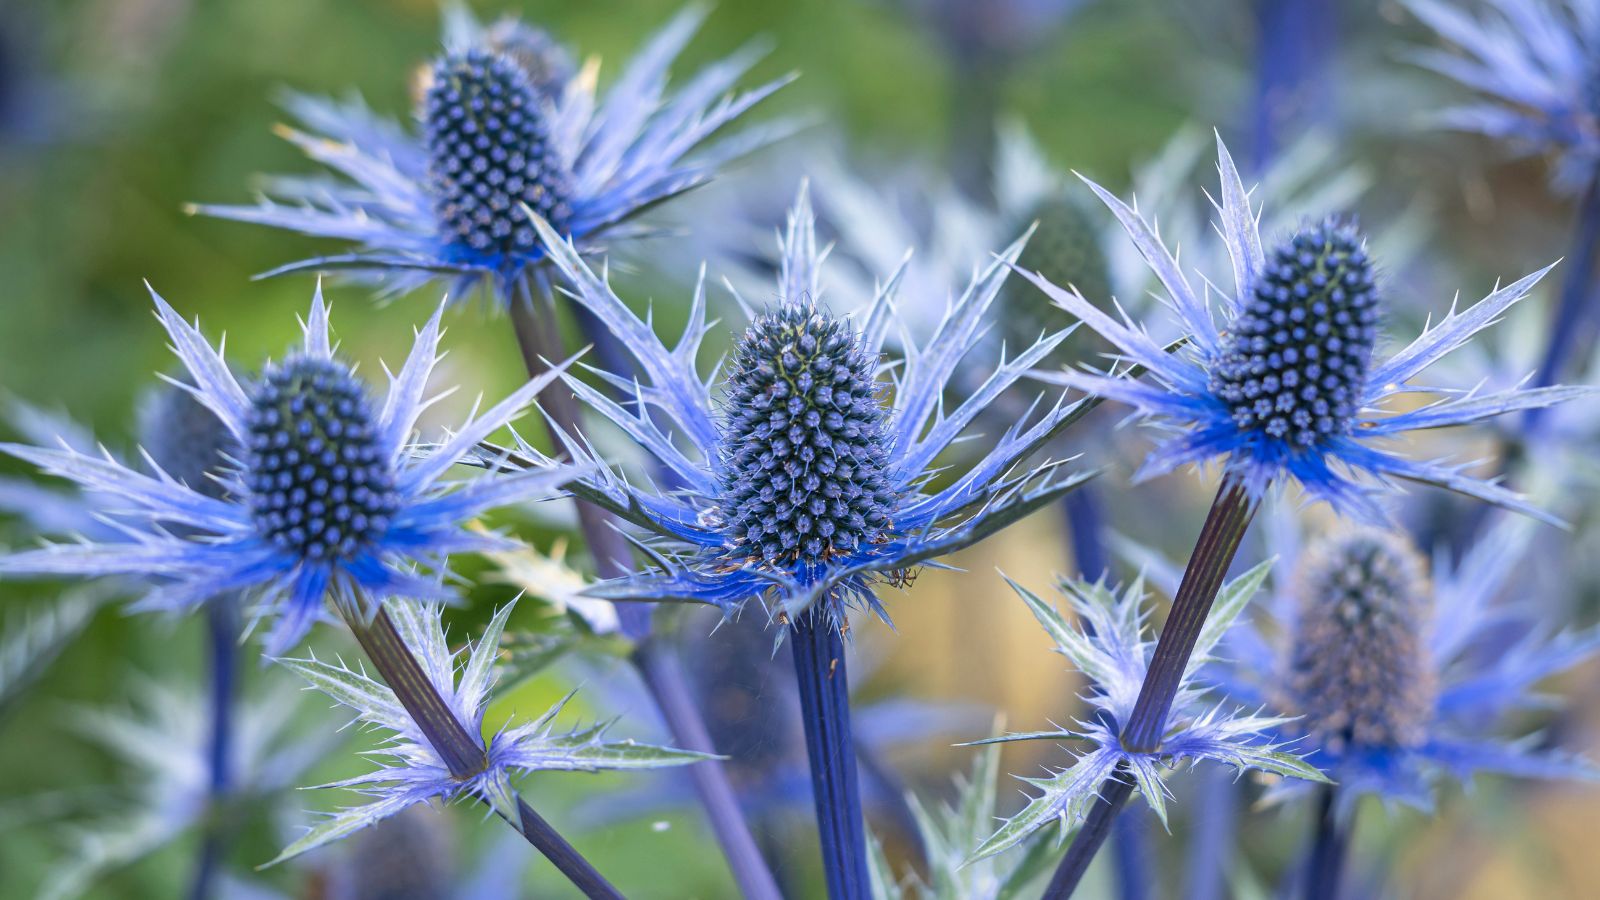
(1288, 385)
(506, 124)
(1402, 682)
(328, 494)
(1534, 62)
(846, 502)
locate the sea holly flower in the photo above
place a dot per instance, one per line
(808, 486)
(1533, 63)
(163, 737)
(327, 494)
(506, 125)
(1401, 671)
(416, 773)
(1107, 644)
(1289, 386)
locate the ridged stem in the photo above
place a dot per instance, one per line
(539, 339)
(819, 668)
(461, 751)
(1097, 826)
(1214, 550)
(1330, 845)
(222, 648)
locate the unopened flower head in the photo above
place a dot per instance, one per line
(811, 484)
(509, 128)
(322, 490)
(1288, 387)
(1359, 672)
(186, 439)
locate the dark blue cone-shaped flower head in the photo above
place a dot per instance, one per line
(804, 470)
(814, 482)
(320, 485)
(1398, 673)
(186, 440)
(509, 127)
(489, 155)
(1288, 386)
(1295, 360)
(322, 491)
(1359, 671)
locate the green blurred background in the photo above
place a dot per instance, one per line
(153, 103)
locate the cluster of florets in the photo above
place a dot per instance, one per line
(1359, 670)
(490, 154)
(319, 483)
(186, 439)
(803, 469)
(1295, 360)
(1066, 249)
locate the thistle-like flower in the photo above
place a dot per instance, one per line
(1288, 386)
(1107, 644)
(507, 126)
(808, 484)
(1534, 62)
(1399, 680)
(326, 493)
(416, 773)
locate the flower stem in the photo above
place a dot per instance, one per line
(1575, 308)
(538, 337)
(1096, 828)
(1214, 550)
(461, 751)
(819, 667)
(222, 644)
(1330, 845)
(1219, 539)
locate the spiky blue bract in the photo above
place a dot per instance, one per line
(415, 773)
(327, 495)
(1399, 683)
(1106, 642)
(506, 124)
(1534, 63)
(1288, 387)
(853, 493)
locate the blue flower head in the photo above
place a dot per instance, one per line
(1290, 384)
(1536, 64)
(1107, 644)
(813, 478)
(416, 773)
(323, 491)
(508, 125)
(1398, 680)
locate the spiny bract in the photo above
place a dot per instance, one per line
(1359, 670)
(803, 473)
(321, 485)
(489, 154)
(1294, 363)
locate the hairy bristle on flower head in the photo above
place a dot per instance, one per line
(320, 484)
(1295, 359)
(541, 57)
(489, 154)
(186, 439)
(803, 455)
(1064, 248)
(1359, 668)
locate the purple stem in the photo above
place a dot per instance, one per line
(1330, 846)
(819, 668)
(1575, 308)
(222, 644)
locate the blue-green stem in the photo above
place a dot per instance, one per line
(1214, 551)
(539, 339)
(222, 648)
(462, 752)
(819, 668)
